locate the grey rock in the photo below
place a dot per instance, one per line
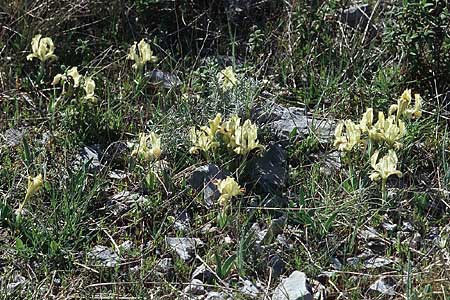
(276, 227)
(369, 234)
(283, 241)
(125, 200)
(126, 246)
(104, 256)
(407, 226)
(249, 289)
(203, 274)
(377, 262)
(90, 155)
(215, 296)
(195, 288)
(388, 226)
(282, 122)
(13, 136)
(357, 15)
(164, 267)
(384, 285)
(277, 265)
(184, 247)
(269, 172)
(203, 179)
(293, 288)
(330, 162)
(336, 263)
(163, 79)
(18, 281)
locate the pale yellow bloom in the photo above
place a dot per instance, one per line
(246, 138)
(389, 130)
(228, 130)
(385, 167)
(201, 140)
(73, 72)
(352, 136)
(366, 121)
(415, 112)
(227, 78)
(34, 185)
(228, 189)
(403, 106)
(141, 53)
(143, 151)
(89, 88)
(59, 78)
(42, 48)
(214, 124)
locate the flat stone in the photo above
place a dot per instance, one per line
(90, 155)
(124, 200)
(163, 79)
(291, 123)
(249, 289)
(377, 262)
(269, 173)
(293, 288)
(203, 274)
(104, 256)
(384, 285)
(357, 15)
(13, 136)
(215, 296)
(184, 247)
(369, 233)
(203, 179)
(164, 267)
(195, 288)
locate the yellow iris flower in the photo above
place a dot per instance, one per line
(385, 167)
(228, 189)
(227, 78)
(89, 88)
(34, 185)
(351, 138)
(141, 53)
(42, 48)
(246, 138)
(143, 151)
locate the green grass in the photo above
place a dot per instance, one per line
(298, 55)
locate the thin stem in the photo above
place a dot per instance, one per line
(384, 190)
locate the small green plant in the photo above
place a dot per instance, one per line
(241, 139)
(34, 185)
(42, 49)
(143, 152)
(141, 53)
(227, 79)
(385, 134)
(228, 188)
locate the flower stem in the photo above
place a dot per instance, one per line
(383, 190)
